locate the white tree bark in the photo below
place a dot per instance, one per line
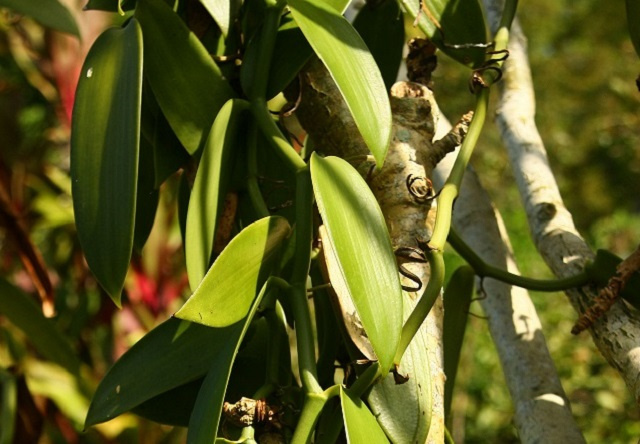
(617, 334)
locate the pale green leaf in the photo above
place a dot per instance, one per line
(229, 288)
(105, 138)
(354, 70)
(49, 13)
(20, 309)
(360, 425)
(452, 22)
(186, 82)
(359, 237)
(223, 12)
(210, 188)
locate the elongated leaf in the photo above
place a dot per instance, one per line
(633, 21)
(185, 80)
(352, 67)
(105, 138)
(381, 26)
(147, 196)
(389, 401)
(205, 418)
(172, 354)
(452, 22)
(361, 426)
(49, 13)
(457, 299)
(27, 316)
(172, 407)
(223, 12)
(210, 189)
(360, 239)
(229, 288)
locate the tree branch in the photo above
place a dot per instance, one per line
(616, 334)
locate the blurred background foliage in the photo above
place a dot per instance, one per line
(584, 68)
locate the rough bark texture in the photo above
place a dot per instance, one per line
(324, 115)
(616, 334)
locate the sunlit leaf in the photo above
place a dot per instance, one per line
(186, 81)
(49, 13)
(105, 138)
(381, 26)
(210, 189)
(18, 308)
(457, 299)
(361, 242)
(352, 67)
(360, 425)
(452, 22)
(229, 288)
(172, 354)
(223, 12)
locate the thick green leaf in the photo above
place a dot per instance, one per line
(20, 309)
(390, 401)
(185, 80)
(105, 138)
(360, 239)
(633, 22)
(452, 22)
(8, 406)
(49, 13)
(172, 407)
(223, 12)
(205, 418)
(290, 53)
(352, 67)
(360, 424)
(457, 299)
(172, 354)
(210, 189)
(381, 26)
(110, 5)
(229, 288)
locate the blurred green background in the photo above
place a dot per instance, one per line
(584, 69)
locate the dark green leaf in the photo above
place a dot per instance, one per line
(290, 54)
(172, 354)
(49, 13)
(229, 288)
(359, 237)
(185, 80)
(20, 309)
(633, 22)
(105, 138)
(381, 26)
(452, 22)
(147, 196)
(360, 425)
(457, 299)
(110, 5)
(172, 407)
(210, 189)
(352, 67)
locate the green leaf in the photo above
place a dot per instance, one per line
(223, 12)
(8, 406)
(187, 83)
(20, 309)
(360, 425)
(457, 299)
(49, 13)
(172, 354)
(172, 407)
(290, 53)
(361, 242)
(633, 21)
(110, 5)
(389, 401)
(452, 22)
(353, 68)
(229, 288)
(105, 137)
(381, 26)
(205, 418)
(210, 189)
